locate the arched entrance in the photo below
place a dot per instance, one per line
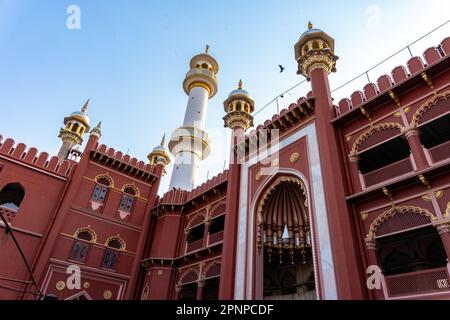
(284, 238)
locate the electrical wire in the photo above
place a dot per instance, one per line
(360, 75)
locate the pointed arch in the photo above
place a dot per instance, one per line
(12, 195)
(264, 197)
(131, 190)
(196, 219)
(372, 130)
(116, 242)
(209, 267)
(216, 207)
(105, 177)
(88, 230)
(388, 214)
(427, 106)
(185, 275)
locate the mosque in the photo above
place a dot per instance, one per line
(347, 200)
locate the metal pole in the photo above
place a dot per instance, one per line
(9, 230)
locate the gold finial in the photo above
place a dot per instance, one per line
(207, 49)
(240, 85)
(86, 105)
(163, 140)
(310, 25)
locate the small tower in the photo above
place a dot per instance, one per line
(314, 49)
(239, 107)
(190, 143)
(159, 155)
(72, 134)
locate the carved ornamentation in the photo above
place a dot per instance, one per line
(107, 294)
(410, 131)
(428, 105)
(89, 230)
(312, 60)
(107, 177)
(383, 217)
(60, 285)
(209, 267)
(194, 219)
(438, 194)
(364, 216)
(118, 239)
(373, 129)
(294, 157)
(185, 274)
(447, 211)
(443, 227)
(136, 191)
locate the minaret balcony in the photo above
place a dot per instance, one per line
(190, 139)
(200, 76)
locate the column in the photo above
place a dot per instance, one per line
(200, 289)
(417, 149)
(206, 233)
(227, 272)
(177, 293)
(354, 171)
(444, 231)
(372, 259)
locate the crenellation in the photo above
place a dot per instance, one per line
(7, 145)
(102, 148)
(357, 98)
(370, 90)
(110, 153)
(415, 65)
(31, 155)
(445, 45)
(41, 159)
(399, 74)
(432, 55)
(18, 151)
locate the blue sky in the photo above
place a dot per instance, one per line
(130, 57)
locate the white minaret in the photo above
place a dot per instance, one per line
(190, 143)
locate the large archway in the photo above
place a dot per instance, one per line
(284, 237)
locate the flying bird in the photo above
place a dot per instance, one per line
(281, 68)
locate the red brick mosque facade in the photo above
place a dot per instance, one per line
(312, 200)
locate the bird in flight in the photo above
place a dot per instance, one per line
(281, 68)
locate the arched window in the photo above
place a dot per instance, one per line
(75, 127)
(83, 238)
(114, 245)
(12, 196)
(127, 200)
(101, 189)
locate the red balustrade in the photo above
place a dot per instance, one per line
(419, 282)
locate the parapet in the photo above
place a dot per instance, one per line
(32, 157)
(400, 74)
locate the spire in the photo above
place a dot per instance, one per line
(86, 105)
(310, 25)
(240, 85)
(163, 140)
(97, 130)
(207, 49)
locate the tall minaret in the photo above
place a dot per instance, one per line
(72, 134)
(190, 143)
